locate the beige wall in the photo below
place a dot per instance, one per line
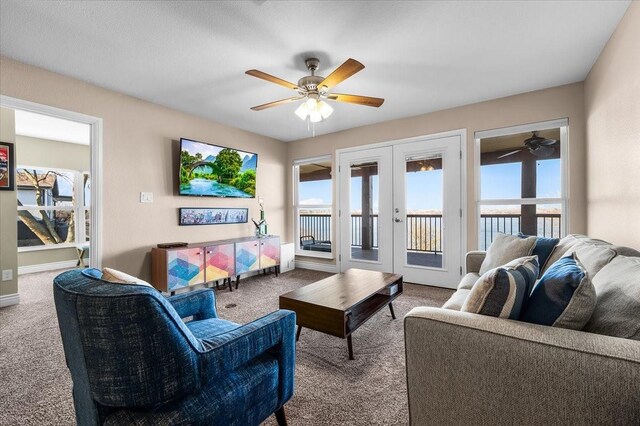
(140, 154)
(612, 107)
(8, 206)
(47, 153)
(558, 102)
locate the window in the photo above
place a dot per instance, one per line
(521, 181)
(53, 207)
(313, 198)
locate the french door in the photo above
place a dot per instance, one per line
(400, 210)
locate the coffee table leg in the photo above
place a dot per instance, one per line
(298, 333)
(393, 314)
(350, 346)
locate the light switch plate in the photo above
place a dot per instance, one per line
(146, 197)
(7, 275)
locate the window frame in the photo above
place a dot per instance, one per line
(297, 207)
(563, 200)
(78, 208)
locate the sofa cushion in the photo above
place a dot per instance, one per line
(456, 300)
(626, 251)
(543, 249)
(617, 311)
(566, 244)
(468, 281)
(564, 297)
(502, 292)
(506, 248)
(593, 256)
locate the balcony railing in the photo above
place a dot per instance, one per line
(424, 231)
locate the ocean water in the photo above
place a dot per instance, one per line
(201, 186)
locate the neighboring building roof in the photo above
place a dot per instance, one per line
(24, 180)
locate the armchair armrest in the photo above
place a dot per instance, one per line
(474, 260)
(201, 304)
(468, 368)
(273, 334)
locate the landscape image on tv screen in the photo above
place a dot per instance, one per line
(215, 171)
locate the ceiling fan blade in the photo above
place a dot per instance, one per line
(276, 103)
(272, 79)
(547, 142)
(356, 99)
(343, 72)
(509, 153)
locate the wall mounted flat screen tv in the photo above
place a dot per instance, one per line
(216, 171)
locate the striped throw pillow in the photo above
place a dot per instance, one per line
(503, 292)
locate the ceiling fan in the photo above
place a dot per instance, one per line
(537, 145)
(315, 89)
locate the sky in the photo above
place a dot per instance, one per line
(424, 189)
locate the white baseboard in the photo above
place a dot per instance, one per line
(9, 300)
(42, 267)
(324, 267)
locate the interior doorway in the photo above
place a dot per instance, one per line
(400, 209)
(58, 186)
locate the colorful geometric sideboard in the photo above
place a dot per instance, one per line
(219, 262)
(247, 256)
(185, 268)
(269, 252)
(181, 267)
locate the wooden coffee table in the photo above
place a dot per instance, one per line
(341, 303)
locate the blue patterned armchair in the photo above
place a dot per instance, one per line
(133, 360)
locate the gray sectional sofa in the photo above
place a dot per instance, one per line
(465, 368)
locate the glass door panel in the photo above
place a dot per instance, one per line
(424, 220)
(364, 211)
(366, 221)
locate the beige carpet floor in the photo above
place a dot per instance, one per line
(370, 390)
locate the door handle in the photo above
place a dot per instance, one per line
(397, 220)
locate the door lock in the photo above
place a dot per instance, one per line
(397, 220)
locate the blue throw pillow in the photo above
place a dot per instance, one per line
(502, 292)
(92, 273)
(564, 297)
(543, 248)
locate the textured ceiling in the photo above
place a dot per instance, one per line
(419, 56)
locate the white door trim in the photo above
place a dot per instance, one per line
(96, 163)
(462, 133)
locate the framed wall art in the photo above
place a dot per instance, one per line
(7, 167)
(212, 216)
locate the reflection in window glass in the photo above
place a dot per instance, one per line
(522, 171)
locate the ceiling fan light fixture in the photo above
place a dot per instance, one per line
(324, 109)
(301, 111)
(312, 105)
(314, 109)
(315, 117)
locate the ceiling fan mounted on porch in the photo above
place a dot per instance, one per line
(537, 145)
(315, 89)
